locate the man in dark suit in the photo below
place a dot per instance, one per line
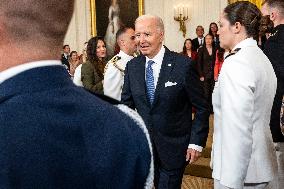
(162, 86)
(274, 50)
(65, 56)
(199, 40)
(47, 141)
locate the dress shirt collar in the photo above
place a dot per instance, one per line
(13, 71)
(245, 43)
(158, 59)
(124, 56)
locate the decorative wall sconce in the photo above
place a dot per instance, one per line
(181, 15)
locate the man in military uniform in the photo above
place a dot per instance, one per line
(114, 71)
(274, 50)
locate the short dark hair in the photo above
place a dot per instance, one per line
(64, 46)
(247, 14)
(42, 22)
(73, 52)
(121, 31)
(199, 26)
(279, 4)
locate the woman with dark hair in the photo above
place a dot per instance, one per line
(213, 29)
(93, 69)
(243, 155)
(73, 62)
(205, 67)
(187, 50)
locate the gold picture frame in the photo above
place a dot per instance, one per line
(93, 14)
(256, 2)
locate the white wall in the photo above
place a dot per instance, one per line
(202, 12)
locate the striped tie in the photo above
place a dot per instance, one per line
(150, 81)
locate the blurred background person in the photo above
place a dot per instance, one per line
(199, 40)
(73, 62)
(65, 56)
(213, 29)
(112, 28)
(205, 67)
(243, 155)
(187, 50)
(220, 55)
(274, 50)
(92, 71)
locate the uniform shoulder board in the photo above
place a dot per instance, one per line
(233, 52)
(112, 61)
(115, 59)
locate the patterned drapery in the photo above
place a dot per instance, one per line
(256, 2)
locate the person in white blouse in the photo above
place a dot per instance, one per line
(243, 155)
(114, 70)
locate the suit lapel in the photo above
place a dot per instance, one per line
(167, 66)
(140, 76)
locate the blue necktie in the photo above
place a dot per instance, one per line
(150, 81)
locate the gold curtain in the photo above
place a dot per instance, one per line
(256, 2)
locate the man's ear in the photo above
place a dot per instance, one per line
(273, 15)
(161, 36)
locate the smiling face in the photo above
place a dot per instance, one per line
(149, 37)
(101, 50)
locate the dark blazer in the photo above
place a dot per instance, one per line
(195, 44)
(273, 49)
(169, 119)
(65, 61)
(57, 135)
(205, 62)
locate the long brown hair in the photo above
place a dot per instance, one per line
(92, 54)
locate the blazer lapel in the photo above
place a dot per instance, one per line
(167, 66)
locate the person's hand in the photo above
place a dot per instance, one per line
(215, 78)
(192, 155)
(201, 78)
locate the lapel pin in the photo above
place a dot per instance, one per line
(169, 64)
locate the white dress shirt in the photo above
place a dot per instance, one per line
(77, 76)
(158, 59)
(200, 40)
(13, 71)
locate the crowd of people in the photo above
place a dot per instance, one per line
(130, 123)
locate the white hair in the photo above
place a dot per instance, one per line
(159, 21)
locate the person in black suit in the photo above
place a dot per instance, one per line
(65, 56)
(162, 86)
(47, 141)
(205, 66)
(274, 50)
(199, 40)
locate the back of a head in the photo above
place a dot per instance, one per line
(247, 14)
(278, 4)
(37, 22)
